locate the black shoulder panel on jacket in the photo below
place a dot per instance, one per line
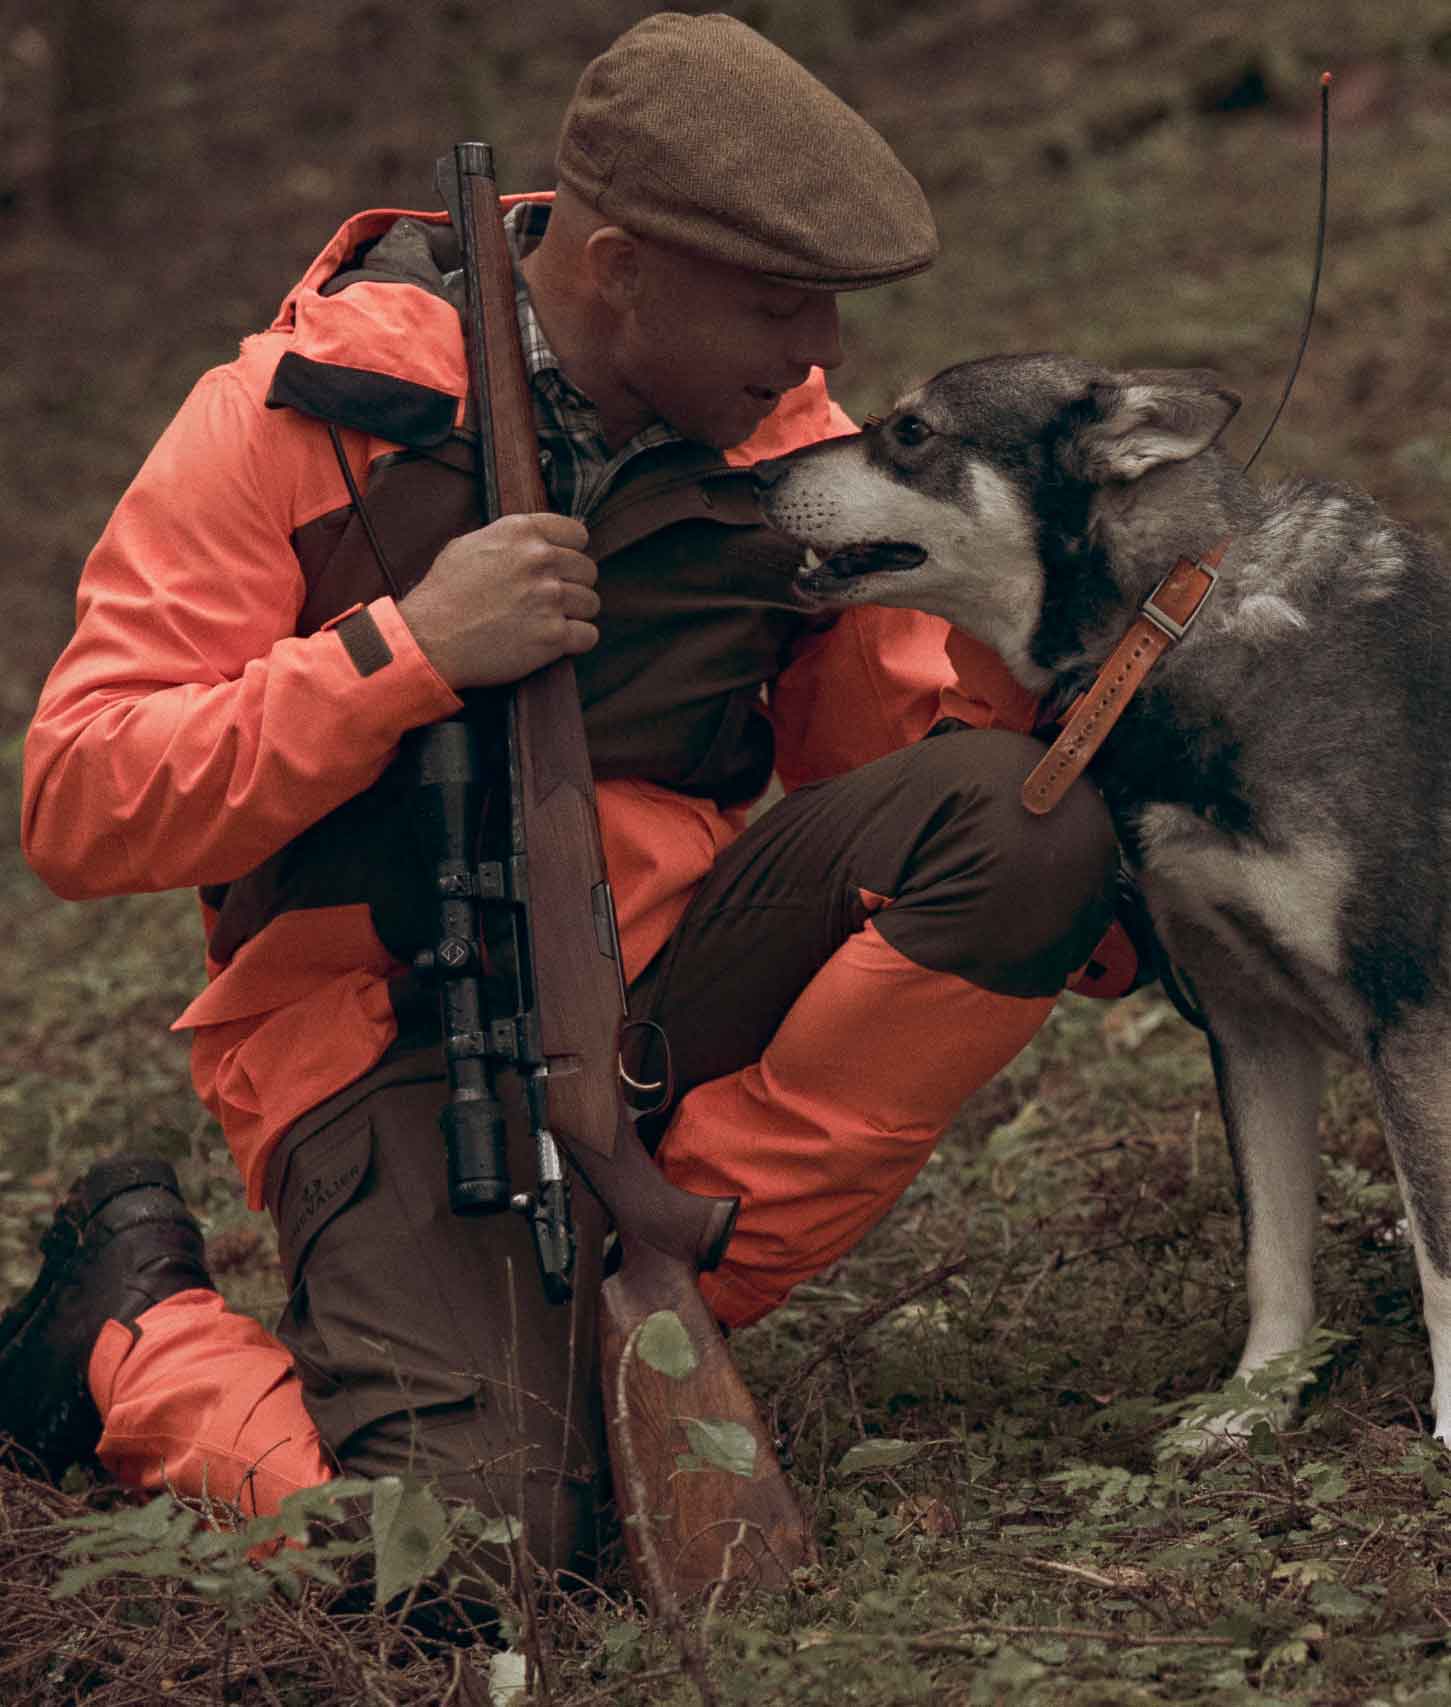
(398, 410)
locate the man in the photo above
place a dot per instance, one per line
(834, 977)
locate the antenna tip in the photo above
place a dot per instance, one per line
(1326, 79)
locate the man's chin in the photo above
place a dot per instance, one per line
(725, 429)
(746, 422)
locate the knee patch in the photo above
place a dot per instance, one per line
(1012, 901)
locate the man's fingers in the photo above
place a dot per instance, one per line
(579, 601)
(505, 599)
(579, 637)
(578, 569)
(557, 530)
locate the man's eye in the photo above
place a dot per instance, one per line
(911, 430)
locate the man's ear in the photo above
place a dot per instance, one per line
(613, 261)
(1141, 420)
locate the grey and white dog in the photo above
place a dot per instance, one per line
(1281, 784)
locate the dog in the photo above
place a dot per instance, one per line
(1280, 783)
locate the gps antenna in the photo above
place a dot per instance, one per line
(1326, 78)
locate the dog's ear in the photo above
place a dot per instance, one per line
(1141, 420)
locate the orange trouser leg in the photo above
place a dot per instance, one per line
(205, 1401)
(823, 1134)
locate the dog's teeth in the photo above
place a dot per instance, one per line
(812, 560)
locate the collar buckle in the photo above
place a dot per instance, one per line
(1176, 627)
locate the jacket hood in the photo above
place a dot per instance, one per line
(371, 312)
(375, 340)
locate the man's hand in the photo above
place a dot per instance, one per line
(504, 601)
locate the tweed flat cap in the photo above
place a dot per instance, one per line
(698, 132)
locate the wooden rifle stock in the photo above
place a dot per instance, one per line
(671, 1390)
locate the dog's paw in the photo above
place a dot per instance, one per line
(1206, 1431)
(1267, 1395)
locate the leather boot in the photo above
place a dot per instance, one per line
(121, 1241)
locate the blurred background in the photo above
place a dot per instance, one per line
(1134, 182)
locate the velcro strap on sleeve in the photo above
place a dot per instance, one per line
(363, 639)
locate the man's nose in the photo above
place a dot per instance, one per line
(819, 333)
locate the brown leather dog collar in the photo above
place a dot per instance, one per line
(1164, 617)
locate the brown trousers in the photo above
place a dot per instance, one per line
(423, 1339)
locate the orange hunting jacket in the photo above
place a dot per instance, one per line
(188, 731)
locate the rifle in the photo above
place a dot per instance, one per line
(697, 1483)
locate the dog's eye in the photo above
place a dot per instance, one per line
(911, 430)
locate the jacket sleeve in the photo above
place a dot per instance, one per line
(186, 732)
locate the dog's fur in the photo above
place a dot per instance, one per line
(1281, 785)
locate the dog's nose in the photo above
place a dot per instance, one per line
(768, 472)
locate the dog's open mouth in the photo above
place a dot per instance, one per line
(870, 557)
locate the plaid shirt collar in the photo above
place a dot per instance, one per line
(578, 464)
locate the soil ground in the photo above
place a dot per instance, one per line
(1131, 182)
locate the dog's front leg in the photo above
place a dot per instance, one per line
(1270, 1076)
